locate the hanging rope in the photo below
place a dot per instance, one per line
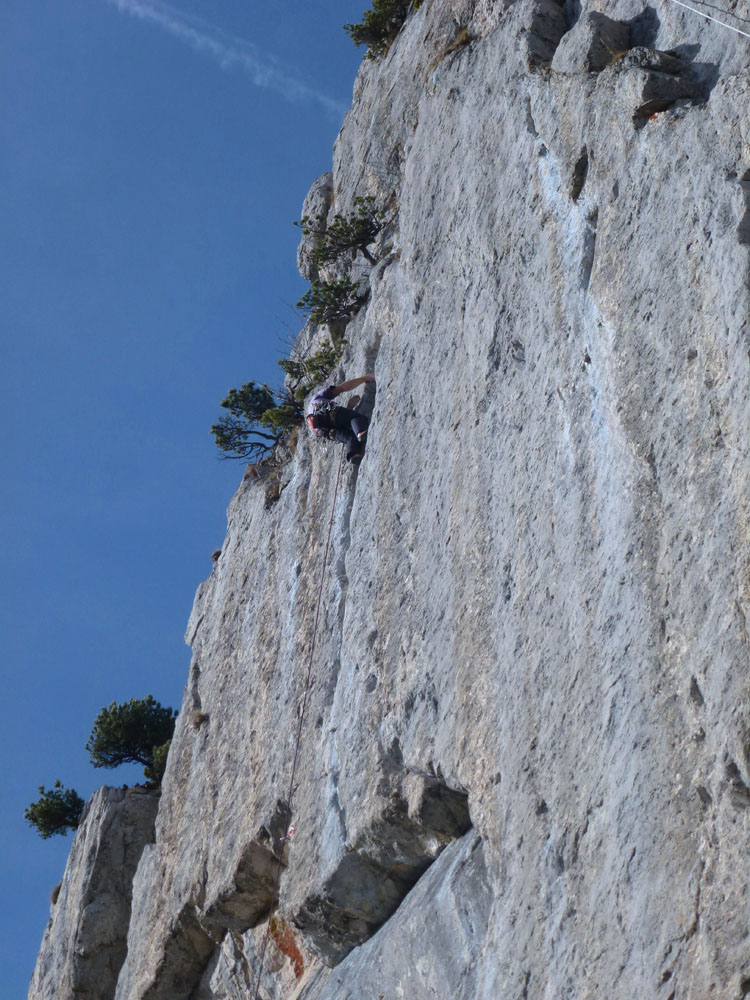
(715, 19)
(302, 710)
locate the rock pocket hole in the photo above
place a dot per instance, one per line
(739, 792)
(696, 695)
(572, 9)
(580, 170)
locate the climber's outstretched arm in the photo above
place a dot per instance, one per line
(352, 384)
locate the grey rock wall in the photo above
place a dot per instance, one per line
(525, 764)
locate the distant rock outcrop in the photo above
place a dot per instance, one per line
(84, 945)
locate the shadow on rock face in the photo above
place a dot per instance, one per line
(644, 27)
(743, 230)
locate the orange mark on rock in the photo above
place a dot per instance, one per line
(286, 941)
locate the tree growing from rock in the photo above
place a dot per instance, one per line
(344, 233)
(329, 301)
(380, 25)
(259, 418)
(57, 811)
(248, 430)
(129, 733)
(303, 374)
(156, 771)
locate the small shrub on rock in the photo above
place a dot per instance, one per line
(380, 25)
(155, 772)
(304, 374)
(329, 301)
(344, 233)
(57, 811)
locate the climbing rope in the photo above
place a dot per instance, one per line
(715, 19)
(288, 829)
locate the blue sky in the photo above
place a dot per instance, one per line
(152, 160)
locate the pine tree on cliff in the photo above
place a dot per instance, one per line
(57, 811)
(130, 733)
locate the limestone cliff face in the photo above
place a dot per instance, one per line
(525, 764)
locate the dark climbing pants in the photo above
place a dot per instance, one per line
(347, 424)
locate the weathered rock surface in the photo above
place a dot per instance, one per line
(84, 944)
(534, 618)
(593, 42)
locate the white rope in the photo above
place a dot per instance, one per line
(708, 17)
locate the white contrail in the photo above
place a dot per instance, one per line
(227, 50)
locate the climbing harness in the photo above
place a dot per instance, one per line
(309, 680)
(323, 420)
(715, 19)
(327, 406)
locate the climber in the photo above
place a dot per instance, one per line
(327, 420)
